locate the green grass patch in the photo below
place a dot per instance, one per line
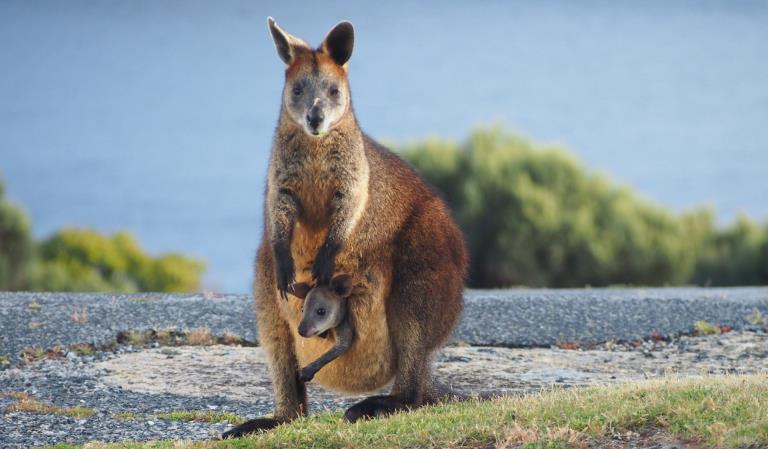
(201, 415)
(718, 411)
(705, 328)
(127, 416)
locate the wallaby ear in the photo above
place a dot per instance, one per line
(342, 285)
(300, 289)
(285, 43)
(339, 42)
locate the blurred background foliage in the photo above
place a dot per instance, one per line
(536, 217)
(533, 216)
(85, 260)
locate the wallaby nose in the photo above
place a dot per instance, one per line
(315, 117)
(303, 329)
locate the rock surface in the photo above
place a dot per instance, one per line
(145, 383)
(517, 341)
(492, 317)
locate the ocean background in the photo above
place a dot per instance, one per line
(157, 116)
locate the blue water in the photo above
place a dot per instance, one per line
(156, 116)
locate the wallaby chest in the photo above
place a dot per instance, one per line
(312, 177)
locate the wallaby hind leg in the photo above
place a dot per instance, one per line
(422, 310)
(276, 339)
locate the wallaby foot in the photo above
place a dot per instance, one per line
(252, 426)
(374, 407)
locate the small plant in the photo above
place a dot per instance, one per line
(34, 305)
(200, 337)
(33, 354)
(232, 340)
(757, 318)
(127, 416)
(80, 316)
(201, 416)
(705, 328)
(27, 403)
(83, 349)
(567, 345)
(4, 360)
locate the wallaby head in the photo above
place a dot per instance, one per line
(316, 93)
(324, 306)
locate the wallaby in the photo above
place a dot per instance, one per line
(325, 310)
(337, 201)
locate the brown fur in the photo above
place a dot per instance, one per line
(394, 234)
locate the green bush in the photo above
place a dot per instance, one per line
(15, 244)
(536, 217)
(84, 260)
(737, 255)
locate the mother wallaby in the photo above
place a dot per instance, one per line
(337, 201)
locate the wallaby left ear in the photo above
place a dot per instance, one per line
(342, 285)
(339, 42)
(300, 289)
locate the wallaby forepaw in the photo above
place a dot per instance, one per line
(285, 277)
(324, 264)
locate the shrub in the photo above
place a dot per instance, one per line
(535, 217)
(737, 255)
(85, 260)
(15, 244)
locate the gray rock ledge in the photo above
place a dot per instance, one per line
(513, 318)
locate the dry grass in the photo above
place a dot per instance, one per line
(200, 337)
(27, 404)
(79, 316)
(33, 354)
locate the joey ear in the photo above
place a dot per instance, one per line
(342, 285)
(285, 43)
(300, 289)
(339, 42)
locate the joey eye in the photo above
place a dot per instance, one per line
(320, 311)
(297, 91)
(334, 91)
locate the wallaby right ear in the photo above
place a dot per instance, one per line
(300, 289)
(286, 44)
(342, 285)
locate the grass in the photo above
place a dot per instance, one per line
(127, 416)
(4, 360)
(718, 411)
(705, 328)
(172, 337)
(28, 404)
(757, 318)
(83, 349)
(202, 416)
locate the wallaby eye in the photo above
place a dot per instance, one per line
(334, 91)
(320, 311)
(297, 90)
